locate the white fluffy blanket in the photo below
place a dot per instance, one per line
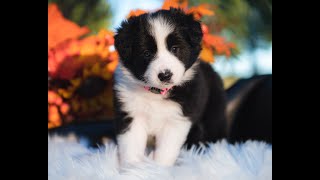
(69, 158)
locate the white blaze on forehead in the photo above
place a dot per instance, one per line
(160, 29)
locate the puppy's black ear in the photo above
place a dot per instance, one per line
(123, 38)
(191, 27)
(194, 30)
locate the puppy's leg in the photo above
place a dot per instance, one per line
(170, 140)
(132, 143)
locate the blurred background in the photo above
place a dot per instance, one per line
(81, 56)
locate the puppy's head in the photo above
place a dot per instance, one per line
(159, 48)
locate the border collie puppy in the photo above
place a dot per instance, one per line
(162, 89)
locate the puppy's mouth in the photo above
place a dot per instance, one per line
(163, 91)
(155, 90)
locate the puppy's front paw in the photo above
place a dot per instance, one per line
(132, 143)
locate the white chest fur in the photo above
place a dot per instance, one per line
(153, 110)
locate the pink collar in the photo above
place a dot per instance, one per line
(157, 90)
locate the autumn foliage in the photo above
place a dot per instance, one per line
(74, 62)
(80, 67)
(57, 34)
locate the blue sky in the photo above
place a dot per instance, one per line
(121, 8)
(241, 66)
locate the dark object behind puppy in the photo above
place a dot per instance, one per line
(250, 109)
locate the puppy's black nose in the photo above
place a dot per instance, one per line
(165, 76)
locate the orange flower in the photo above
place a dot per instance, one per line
(68, 58)
(106, 36)
(217, 43)
(206, 54)
(51, 96)
(204, 29)
(64, 108)
(54, 116)
(112, 66)
(136, 12)
(55, 103)
(54, 98)
(114, 56)
(201, 10)
(61, 29)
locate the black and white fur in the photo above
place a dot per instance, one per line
(192, 111)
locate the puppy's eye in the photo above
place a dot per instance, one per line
(174, 49)
(147, 53)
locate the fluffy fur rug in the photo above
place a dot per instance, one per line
(69, 158)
